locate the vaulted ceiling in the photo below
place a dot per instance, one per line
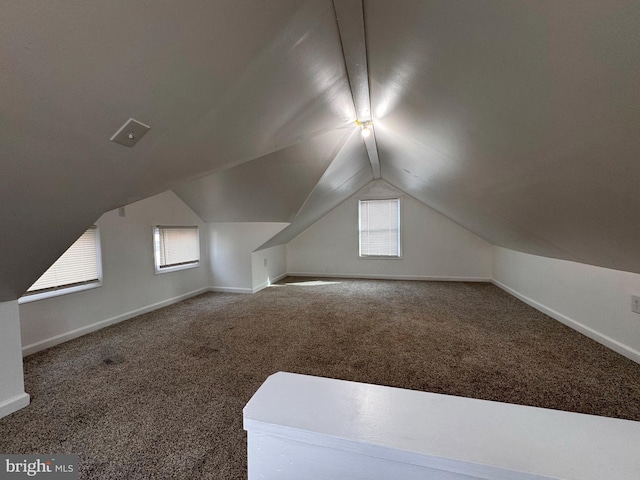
(518, 120)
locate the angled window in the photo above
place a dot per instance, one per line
(176, 248)
(79, 268)
(379, 228)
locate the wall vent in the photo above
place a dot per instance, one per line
(130, 133)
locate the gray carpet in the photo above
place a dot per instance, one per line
(161, 395)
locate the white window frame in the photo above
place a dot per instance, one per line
(158, 269)
(400, 228)
(65, 290)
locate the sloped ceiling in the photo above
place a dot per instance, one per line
(518, 120)
(348, 173)
(220, 83)
(269, 189)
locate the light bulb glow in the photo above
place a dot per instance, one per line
(366, 131)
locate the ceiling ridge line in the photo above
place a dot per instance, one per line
(350, 21)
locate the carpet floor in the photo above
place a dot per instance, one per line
(161, 395)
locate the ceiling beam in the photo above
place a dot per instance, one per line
(350, 18)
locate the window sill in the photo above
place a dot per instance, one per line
(57, 293)
(160, 271)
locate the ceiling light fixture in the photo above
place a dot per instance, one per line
(365, 127)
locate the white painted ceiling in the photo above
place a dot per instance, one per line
(518, 120)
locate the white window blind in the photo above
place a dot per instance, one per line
(379, 228)
(176, 247)
(77, 266)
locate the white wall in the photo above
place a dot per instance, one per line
(274, 270)
(433, 246)
(12, 395)
(595, 301)
(231, 246)
(130, 285)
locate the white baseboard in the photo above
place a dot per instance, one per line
(248, 290)
(231, 289)
(261, 287)
(271, 281)
(342, 275)
(14, 404)
(78, 332)
(391, 277)
(605, 340)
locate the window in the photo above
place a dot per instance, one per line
(79, 268)
(379, 228)
(176, 248)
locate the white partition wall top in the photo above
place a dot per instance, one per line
(467, 437)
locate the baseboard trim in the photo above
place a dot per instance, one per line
(13, 404)
(230, 289)
(391, 277)
(605, 340)
(271, 281)
(78, 332)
